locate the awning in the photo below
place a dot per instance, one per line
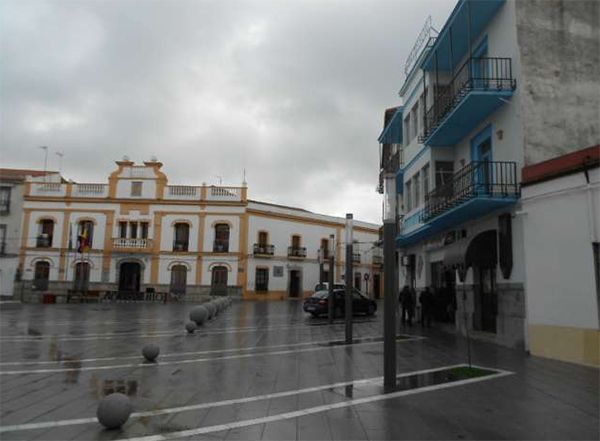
(455, 254)
(392, 134)
(483, 250)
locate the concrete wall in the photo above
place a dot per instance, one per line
(559, 43)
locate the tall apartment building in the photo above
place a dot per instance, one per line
(502, 85)
(139, 232)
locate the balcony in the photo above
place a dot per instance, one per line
(355, 257)
(479, 87)
(389, 164)
(129, 245)
(180, 246)
(221, 246)
(297, 252)
(377, 260)
(263, 250)
(474, 191)
(44, 241)
(90, 190)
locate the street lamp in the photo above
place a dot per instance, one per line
(391, 295)
(349, 290)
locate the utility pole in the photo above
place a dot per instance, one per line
(331, 277)
(391, 295)
(349, 290)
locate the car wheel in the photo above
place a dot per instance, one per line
(371, 310)
(314, 314)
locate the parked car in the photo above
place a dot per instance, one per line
(318, 303)
(325, 286)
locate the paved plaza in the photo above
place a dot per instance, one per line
(265, 370)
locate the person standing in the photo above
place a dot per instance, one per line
(427, 303)
(408, 304)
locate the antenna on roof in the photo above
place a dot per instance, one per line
(45, 149)
(244, 183)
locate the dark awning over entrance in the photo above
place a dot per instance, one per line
(482, 251)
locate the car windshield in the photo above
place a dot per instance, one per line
(321, 294)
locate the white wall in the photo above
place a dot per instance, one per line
(558, 252)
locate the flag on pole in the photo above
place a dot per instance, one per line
(83, 241)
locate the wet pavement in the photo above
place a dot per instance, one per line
(265, 370)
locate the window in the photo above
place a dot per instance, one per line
(123, 230)
(136, 188)
(425, 174)
(133, 230)
(5, 199)
(414, 120)
(262, 279)
(407, 196)
(325, 248)
(218, 282)
(263, 239)
(325, 276)
(221, 244)
(416, 189)
(182, 236)
(144, 230)
(82, 276)
(2, 239)
(178, 279)
(443, 172)
(295, 242)
(407, 133)
(41, 276)
(46, 230)
(85, 230)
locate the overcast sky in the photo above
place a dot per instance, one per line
(294, 91)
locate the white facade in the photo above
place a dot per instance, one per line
(146, 234)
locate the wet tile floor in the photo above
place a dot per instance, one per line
(265, 370)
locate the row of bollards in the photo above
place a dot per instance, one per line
(114, 409)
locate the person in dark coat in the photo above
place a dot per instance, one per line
(427, 304)
(408, 305)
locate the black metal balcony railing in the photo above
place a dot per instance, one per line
(180, 246)
(266, 250)
(356, 257)
(479, 178)
(220, 246)
(377, 260)
(474, 74)
(297, 252)
(43, 241)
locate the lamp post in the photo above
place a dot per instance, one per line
(331, 277)
(391, 294)
(349, 290)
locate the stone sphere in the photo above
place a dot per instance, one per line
(114, 410)
(199, 314)
(150, 351)
(212, 310)
(191, 327)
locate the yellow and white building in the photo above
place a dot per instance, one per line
(188, 240)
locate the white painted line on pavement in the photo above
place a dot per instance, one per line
(188, 408)
(196, 360)
(181, 354)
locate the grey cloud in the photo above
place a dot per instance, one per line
(292, 91)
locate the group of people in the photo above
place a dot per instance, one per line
(407, 300)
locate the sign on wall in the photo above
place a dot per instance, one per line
(277, 271)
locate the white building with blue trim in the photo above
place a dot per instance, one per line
(503, 84)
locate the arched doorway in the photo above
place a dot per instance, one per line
(482, 256)
(218, 283)
(178, 279)
(82, 276)
(129, 277)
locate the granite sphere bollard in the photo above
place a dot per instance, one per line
(191, 327)
(114, 410)
(212, 310)
(199, 314)
(150, 351)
